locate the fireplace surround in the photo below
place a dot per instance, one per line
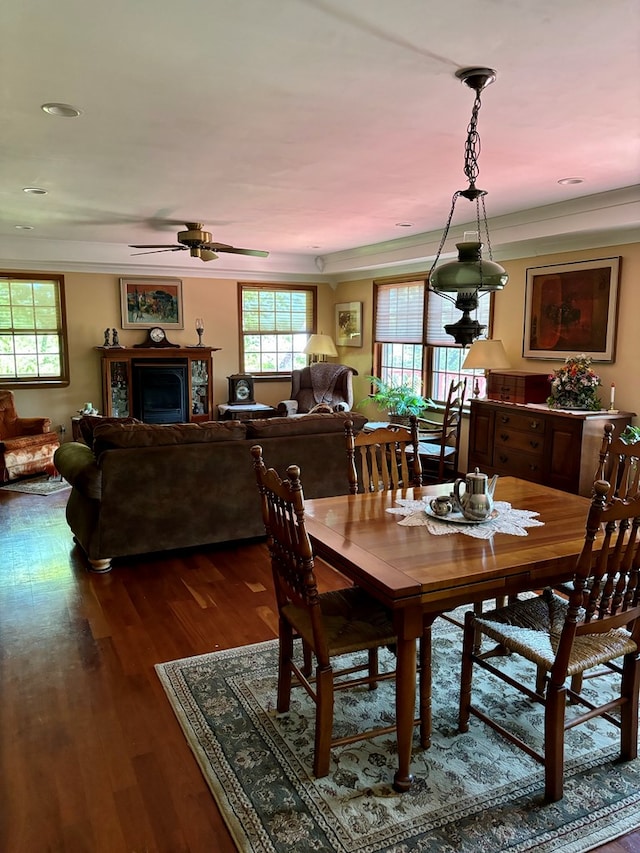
(158, 385)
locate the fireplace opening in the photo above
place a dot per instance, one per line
(160, 391)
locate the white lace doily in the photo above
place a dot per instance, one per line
(511, 521)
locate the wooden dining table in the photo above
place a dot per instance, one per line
(420, 576)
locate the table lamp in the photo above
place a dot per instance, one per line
(485, 355)
(319, 347)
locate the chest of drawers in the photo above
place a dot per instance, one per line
(559, 449)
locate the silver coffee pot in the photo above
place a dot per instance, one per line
(476, 502)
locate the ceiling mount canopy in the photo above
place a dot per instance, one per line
(471, 274)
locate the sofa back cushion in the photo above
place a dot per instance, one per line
(88, 423)
(303, 424)
(112, 436)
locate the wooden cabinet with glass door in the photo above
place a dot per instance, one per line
(121, 369)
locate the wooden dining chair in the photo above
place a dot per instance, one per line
(385, 457)
(619, 465)
(330, 624)
(598, 623)
(439, 445)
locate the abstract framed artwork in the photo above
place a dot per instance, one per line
(148, 302)
(349, 324)
(572, 308)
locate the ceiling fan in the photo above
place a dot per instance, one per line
(199, 244)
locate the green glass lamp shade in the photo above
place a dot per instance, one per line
(469, 273)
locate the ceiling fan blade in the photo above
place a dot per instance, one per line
(157, 251)
(157, 246)
(256, 253)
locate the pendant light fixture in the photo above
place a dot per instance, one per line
(463, 280)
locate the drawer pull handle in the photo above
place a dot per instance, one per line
(503, 459)
(505, 419)
(534, 424)
(533, 467)
(504, 436)
(534, 444)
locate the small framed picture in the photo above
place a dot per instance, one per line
(149, 302)
(349, 324)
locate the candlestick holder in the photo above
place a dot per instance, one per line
(200, 329)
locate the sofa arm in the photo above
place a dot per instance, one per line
(77, 465)
(287, 408)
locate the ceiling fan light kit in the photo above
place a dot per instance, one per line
(469, 275)
(199, 244)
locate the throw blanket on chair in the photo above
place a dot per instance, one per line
(323, 379)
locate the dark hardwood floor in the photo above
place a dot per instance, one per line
(92, 756)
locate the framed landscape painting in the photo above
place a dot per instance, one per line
(349, 324)
(148, 302)
(572, 308)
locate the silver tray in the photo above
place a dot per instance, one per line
(458, 517)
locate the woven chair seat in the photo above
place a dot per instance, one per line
(352, 621)
(532, 628)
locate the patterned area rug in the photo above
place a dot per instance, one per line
(472, 792)
(37, 486)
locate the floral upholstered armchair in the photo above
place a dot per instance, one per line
(27, 445)
(322, 386)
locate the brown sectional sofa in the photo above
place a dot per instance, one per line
(141, 488)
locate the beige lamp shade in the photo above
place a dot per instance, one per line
(486, 355)
(320, 345)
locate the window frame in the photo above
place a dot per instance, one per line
(428, 350)
(63, 378)
(279, 375)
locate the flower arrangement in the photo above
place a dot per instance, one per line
(574, 385)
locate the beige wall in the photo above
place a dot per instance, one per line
(93, 304)
(509, 322)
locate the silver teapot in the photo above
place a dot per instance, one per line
(476, 502)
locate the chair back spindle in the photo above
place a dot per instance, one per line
(386, 458)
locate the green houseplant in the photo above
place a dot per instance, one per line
(398, 401)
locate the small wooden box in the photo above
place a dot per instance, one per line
(518, 386)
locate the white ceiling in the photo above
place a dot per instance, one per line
(310, 128)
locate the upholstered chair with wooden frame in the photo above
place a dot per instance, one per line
(440, 441)
(330, 623)
(27, 445)
(598, 623)
(385, 457)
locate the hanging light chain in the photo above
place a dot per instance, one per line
(473, 146)
(442, 242)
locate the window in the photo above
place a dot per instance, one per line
(399, 333)
(33, 344)
(411, 345)
(446, 357)
(276, 323)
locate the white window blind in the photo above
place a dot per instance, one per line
(400, 312)
(442, 312)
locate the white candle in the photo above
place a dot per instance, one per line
(613, 393)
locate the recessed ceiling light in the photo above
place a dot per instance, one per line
(61, 110)
(404, 224)
(566, 181)
(24, 227)
(35, 191)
